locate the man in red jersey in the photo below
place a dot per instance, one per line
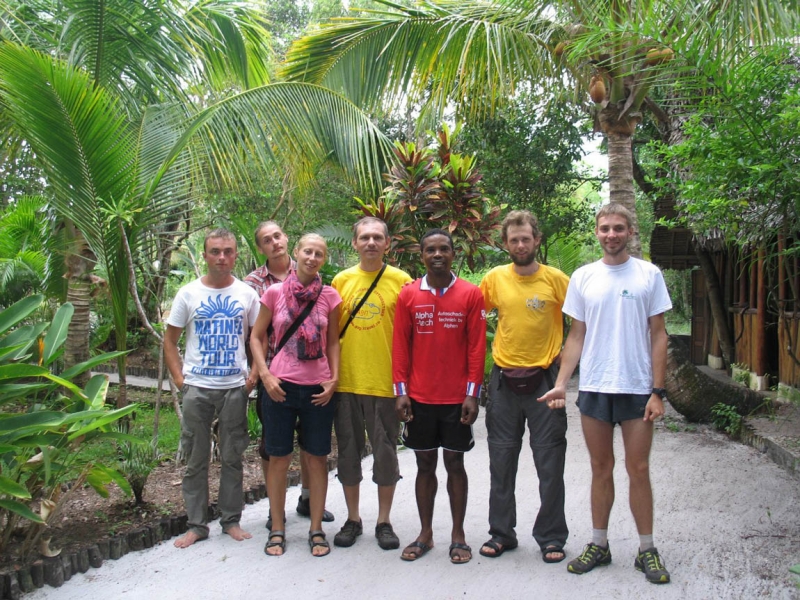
(438, 353)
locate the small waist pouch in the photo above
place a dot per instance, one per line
(523, 381)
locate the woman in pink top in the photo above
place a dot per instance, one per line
(300, 382)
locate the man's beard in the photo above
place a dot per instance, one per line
(523, 261)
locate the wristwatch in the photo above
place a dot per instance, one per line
(660, 392)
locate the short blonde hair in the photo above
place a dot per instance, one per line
(614, 208)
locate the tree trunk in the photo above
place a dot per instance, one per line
(76, 346)
(619, 131)
(718, 309)
(692, 392)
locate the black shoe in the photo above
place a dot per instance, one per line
(304, 510)
(386, 536)
(348, 533)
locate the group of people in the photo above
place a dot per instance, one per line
(375, 352)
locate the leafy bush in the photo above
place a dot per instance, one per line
(727, 418)
(45, 423)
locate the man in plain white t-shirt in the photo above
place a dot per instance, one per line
(617, 306)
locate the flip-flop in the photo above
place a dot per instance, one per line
(550, 550)
(423, 550)
(458, 560)
(497, 547)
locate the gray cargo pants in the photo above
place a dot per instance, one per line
(506, 414)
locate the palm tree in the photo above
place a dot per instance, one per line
(145, 109)
(474, 55)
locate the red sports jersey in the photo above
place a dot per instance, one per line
(439, 344)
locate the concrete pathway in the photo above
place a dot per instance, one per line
(727, 525)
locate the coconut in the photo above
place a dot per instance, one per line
(597, 89)
(657, 56)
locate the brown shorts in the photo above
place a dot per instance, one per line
(357, 417)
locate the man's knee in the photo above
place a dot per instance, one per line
(454, 461)
(426, 461)
(638, 470)
(603, 466)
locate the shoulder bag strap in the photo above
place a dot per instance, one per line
(294, 326)
(354, 312)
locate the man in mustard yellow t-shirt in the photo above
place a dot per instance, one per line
(364, 397)
(528, 297)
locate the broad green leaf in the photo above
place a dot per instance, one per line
(99, 477)
(109, 417)
(91, 363)
(18, 311)
(21, 371)
(21, 510)
(96, 391)
(12, 488)
(58, 332)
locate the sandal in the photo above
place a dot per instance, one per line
(312, 543)
(496, 547)
(418, 550)
(553, 549)
(281, 544)
(455, 558)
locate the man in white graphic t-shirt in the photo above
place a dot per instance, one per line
(217, 312)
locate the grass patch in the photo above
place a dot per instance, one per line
(105, 452)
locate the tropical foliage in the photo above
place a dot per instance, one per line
(46, 421)
(134, 112)
(475, 56)
(433, 186)
(735, 170)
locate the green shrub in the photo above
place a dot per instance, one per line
(726, 418)
(46, 422)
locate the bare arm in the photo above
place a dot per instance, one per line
(332, 351)
(658, 357)
(570, 356)
(258, 344)
(172, 356)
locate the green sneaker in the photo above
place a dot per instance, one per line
(649, 562)
(591, 557)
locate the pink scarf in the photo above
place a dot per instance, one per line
(308, 335)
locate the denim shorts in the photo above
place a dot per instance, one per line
(612, 408)
(315, 422)
(261, 400)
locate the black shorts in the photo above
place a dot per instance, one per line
(612, 408)
(435, 426)
(262, 443)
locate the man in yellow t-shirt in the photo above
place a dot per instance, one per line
(528, 297)
(364, 397)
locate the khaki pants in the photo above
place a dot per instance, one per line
(200, 407)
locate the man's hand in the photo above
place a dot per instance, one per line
(555, 398)
(654, 408)
(402, 407)
(250, 382)
(469, 410)
(325, 396)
